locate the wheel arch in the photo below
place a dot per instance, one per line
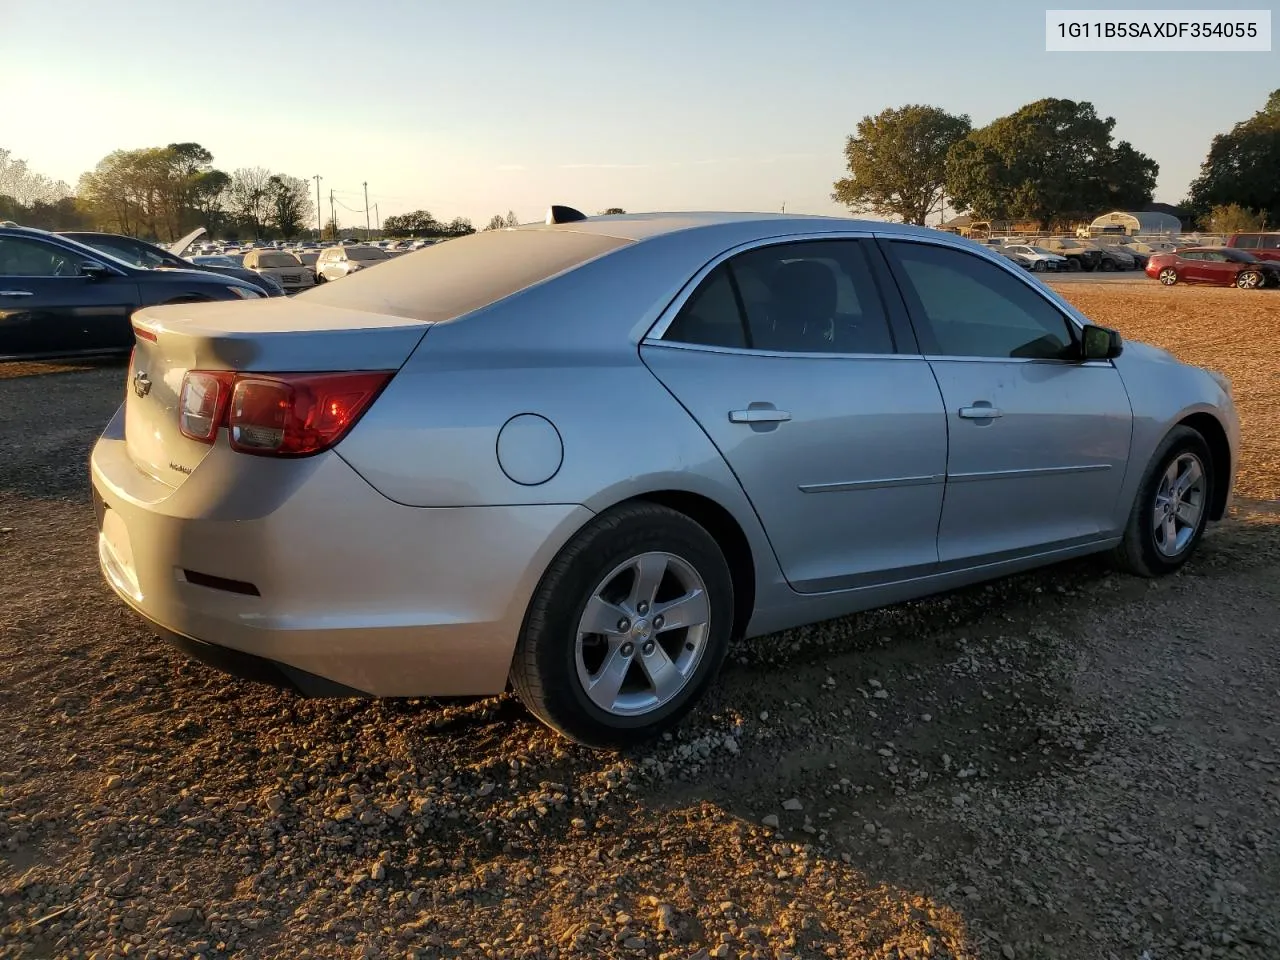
(1215, 435)
(728, 535)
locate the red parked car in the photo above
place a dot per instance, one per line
(1264, 246)
(1221, 265)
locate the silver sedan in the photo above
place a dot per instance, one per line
(583, 458)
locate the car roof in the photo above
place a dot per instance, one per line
(643, 226)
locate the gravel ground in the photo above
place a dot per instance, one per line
(1069, 764)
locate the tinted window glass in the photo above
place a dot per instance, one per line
(1247, 241)
(22, 257)
(1269, 241)
(278, 260)
(812, 297)
(710, 317)
(972, 308)
(122, 249)
(366, 253)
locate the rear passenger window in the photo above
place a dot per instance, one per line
(711, 317)
(808, 297)
(1247, 241)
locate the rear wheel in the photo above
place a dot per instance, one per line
(1172, 506)
(627, 629)
(1249, 280)
(1168, 276)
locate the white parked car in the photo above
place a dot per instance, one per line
(1038, 258)
(286, 269)
(338, 262)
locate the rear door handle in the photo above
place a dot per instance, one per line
(758, 415)
(980, 412)
(16, 293)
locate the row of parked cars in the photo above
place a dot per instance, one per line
(1041, 254)
(71, 293)
(1248, 261)
(295, 266)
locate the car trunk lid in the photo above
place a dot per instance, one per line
(258, 336)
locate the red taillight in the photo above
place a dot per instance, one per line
(276, 414)
(144, 334)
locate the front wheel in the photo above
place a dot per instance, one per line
(1249, 280)
(1038, 266)
(1168, 276)
(627, 629)
(1172, 506)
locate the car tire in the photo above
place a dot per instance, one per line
(1249, 280)
(1168, 276)
(1073, 266)
(558, 665)
(1149, 549)
(1038, 266)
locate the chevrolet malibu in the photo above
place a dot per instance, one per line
(582, 458)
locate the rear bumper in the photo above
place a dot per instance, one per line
(303, 572)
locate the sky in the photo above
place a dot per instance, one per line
(470, 109)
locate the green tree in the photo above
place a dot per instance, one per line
(418, 223)
(209, 199)
(1049, 161)
(512, 220)
(157, 191)
(897, 162)
(612, 212)
(459, 227)
(291, 204)
(330, 230)
(496, 222)
(1243, 166)
(1232, 218)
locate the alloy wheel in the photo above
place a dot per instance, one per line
(1179, 504)
(1168, 276)
(1249, 280)
(642, 634)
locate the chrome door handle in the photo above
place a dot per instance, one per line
(16, 293)
(758, 415)
(980, 413)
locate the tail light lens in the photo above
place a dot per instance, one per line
(203, 403)
(277, 414)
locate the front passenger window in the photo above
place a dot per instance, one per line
(969, 307)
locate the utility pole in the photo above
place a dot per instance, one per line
(367, 234)
(319, 215)
(784, 206)
(333, 215)
(376, 219)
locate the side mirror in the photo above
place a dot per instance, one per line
(94, 270)
(1100, 343)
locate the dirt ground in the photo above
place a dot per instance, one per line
(1212, 327)
(1069, 764)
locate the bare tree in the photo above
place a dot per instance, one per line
(24, 185)
(250, 196)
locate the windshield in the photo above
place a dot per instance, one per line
(1042, 251)
(366, 253)
(278, 260)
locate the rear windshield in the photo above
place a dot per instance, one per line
(278, 260)
(366, 253)
(449, 279)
